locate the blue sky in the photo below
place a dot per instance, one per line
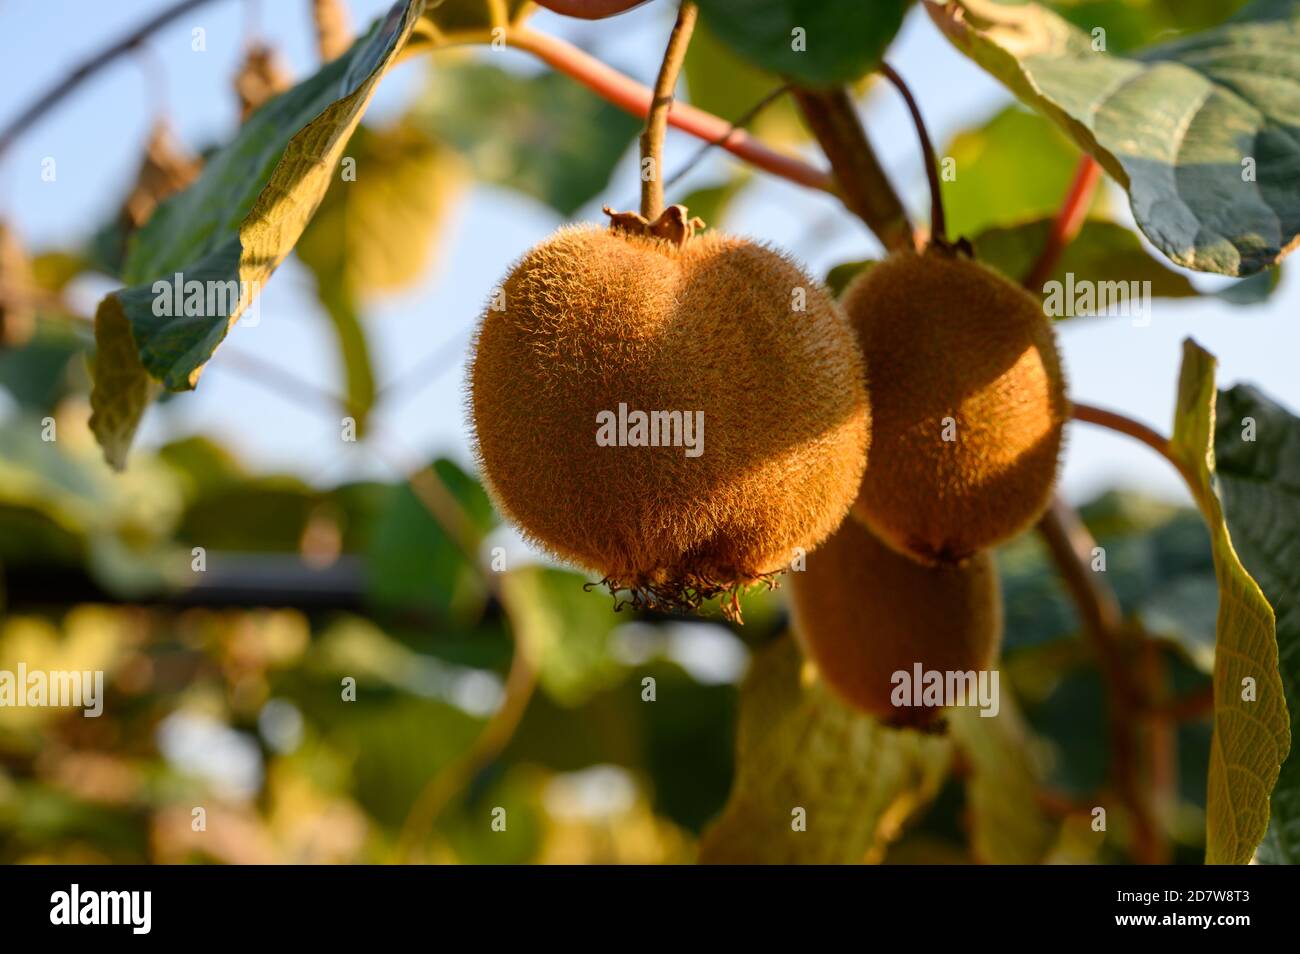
(97, 135)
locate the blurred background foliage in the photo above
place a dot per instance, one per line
(483, 679)
(225, 689)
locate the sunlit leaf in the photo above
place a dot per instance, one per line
(229, 231)
(1012, 167)
(1257, 447)
(816, 782)
(1251, 727)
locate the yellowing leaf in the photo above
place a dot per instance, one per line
(375, 228)
(1252, 732)
(228, 232)
(803, 759)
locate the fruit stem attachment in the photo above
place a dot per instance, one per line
(652, 139)
(938, 227)
(860, 180)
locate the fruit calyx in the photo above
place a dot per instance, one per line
(685, 596)
(674, 224)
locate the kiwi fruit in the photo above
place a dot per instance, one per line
(863, 612)
(967, 399)
(756, 356)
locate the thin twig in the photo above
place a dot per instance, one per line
(739, 123)
(275, 378)
(860, 180)
(656, 124)
(938, 227)
(88, 68)
(1135, 429)
(1069, 220)
(630, 96)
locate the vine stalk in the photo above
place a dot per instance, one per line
(652, 138)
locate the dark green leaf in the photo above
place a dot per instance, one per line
(543, 135)
(1200, 131)
(817, 42)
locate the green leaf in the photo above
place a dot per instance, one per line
(1199, 131)
(1008, 827)
(1257, 443)
(412, 562)
(720, 82)
(1013, 167)
(376, 227)
(841, 276)
(1102, 252)
(1130, 24)
(817, 42)
(229, 231)
(543, 135)
(43, 370)
(564, 629)
(1251, 736)
(797, 748)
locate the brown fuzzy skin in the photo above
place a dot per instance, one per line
(863, 612)
(593, 318)
(944, 336)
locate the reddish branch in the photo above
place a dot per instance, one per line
(938, 228)
(1069, 220)
(629, 95)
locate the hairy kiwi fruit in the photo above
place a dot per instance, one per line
(863, 612)
(968, 404)
(755, 355)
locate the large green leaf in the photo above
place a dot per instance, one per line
(1129, 24)
(1102, 252)
(233, 226)
(1200, 131)
(543, 135)
(413, 562)
(1257, 443)
(1251, 734)
(816, 42)
(797, 748)
(720, 82)
(1012, 167)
